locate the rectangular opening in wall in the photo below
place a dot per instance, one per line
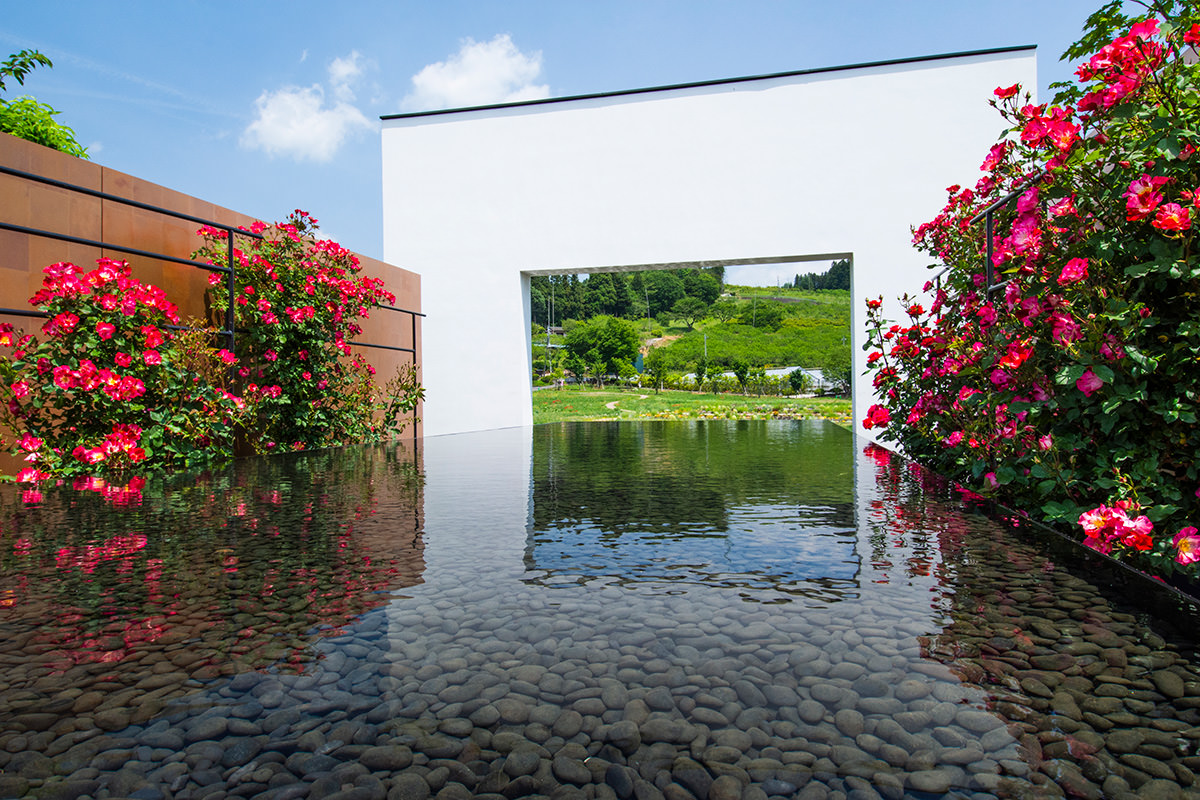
(762, 337)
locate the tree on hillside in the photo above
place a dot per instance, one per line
(701, 373)
(604, 341)
(628, 304)
(724, 310)
(655, 365)
(568, 298)
(599, 295)
(701, 285)
(838, 276)
(799, 381)
(836, 368)
(664, 289)
(741, 371)
(690, 310)
(765, 315)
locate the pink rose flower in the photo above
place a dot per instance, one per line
(1187, 546)
(1088, 383)
(1075, 270)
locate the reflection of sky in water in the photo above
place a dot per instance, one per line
(761, 546)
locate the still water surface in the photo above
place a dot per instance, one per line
(603, 610)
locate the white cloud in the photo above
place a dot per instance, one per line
(342, 73)
(480, 73)
(297, 122)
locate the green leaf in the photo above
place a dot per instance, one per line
(1169, 146)
(1057, 510)
(1069, 374)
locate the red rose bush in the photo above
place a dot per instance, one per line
(1069, 385)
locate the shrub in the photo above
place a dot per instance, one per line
(1072, 387)
(298, 302)
(110, 388)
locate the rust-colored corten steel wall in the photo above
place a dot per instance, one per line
(34, 205)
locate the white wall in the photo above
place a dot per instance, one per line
(826, 162)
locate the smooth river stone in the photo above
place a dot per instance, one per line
(625, 736)
(937, 781)
(571, 770)
(388, 758)
(1169, 683)
(977, 721)
(692, 776)
(725, 787)
(512, 711)
(909, 690)
(732, 737)
(811, 711)
(849, 722)
(568, 723)
(828, 694)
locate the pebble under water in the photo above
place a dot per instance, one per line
(719, 611)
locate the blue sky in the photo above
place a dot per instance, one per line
(267, 106)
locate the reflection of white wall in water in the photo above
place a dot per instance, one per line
(477, 496)
(819, 164)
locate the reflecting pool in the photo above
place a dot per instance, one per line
(671, 610)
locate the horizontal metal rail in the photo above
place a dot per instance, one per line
(71, 187)
(384, 347)
(63, 237)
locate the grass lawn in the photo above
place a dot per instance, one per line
(575, 403)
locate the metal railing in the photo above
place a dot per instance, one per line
(988, 216)
(229, 269)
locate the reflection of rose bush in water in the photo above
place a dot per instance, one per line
(214, 578)
(1038, 636)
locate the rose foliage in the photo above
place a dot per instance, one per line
(118, 384)
(1070, 387)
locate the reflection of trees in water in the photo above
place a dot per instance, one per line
(666, 475)
(758, 505)
(205, 575)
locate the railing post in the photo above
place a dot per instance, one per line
(229, 290)
(413, 318)
(988, 232)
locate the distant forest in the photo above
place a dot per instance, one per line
(838, 277)
(620, 294)
(654, 293)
